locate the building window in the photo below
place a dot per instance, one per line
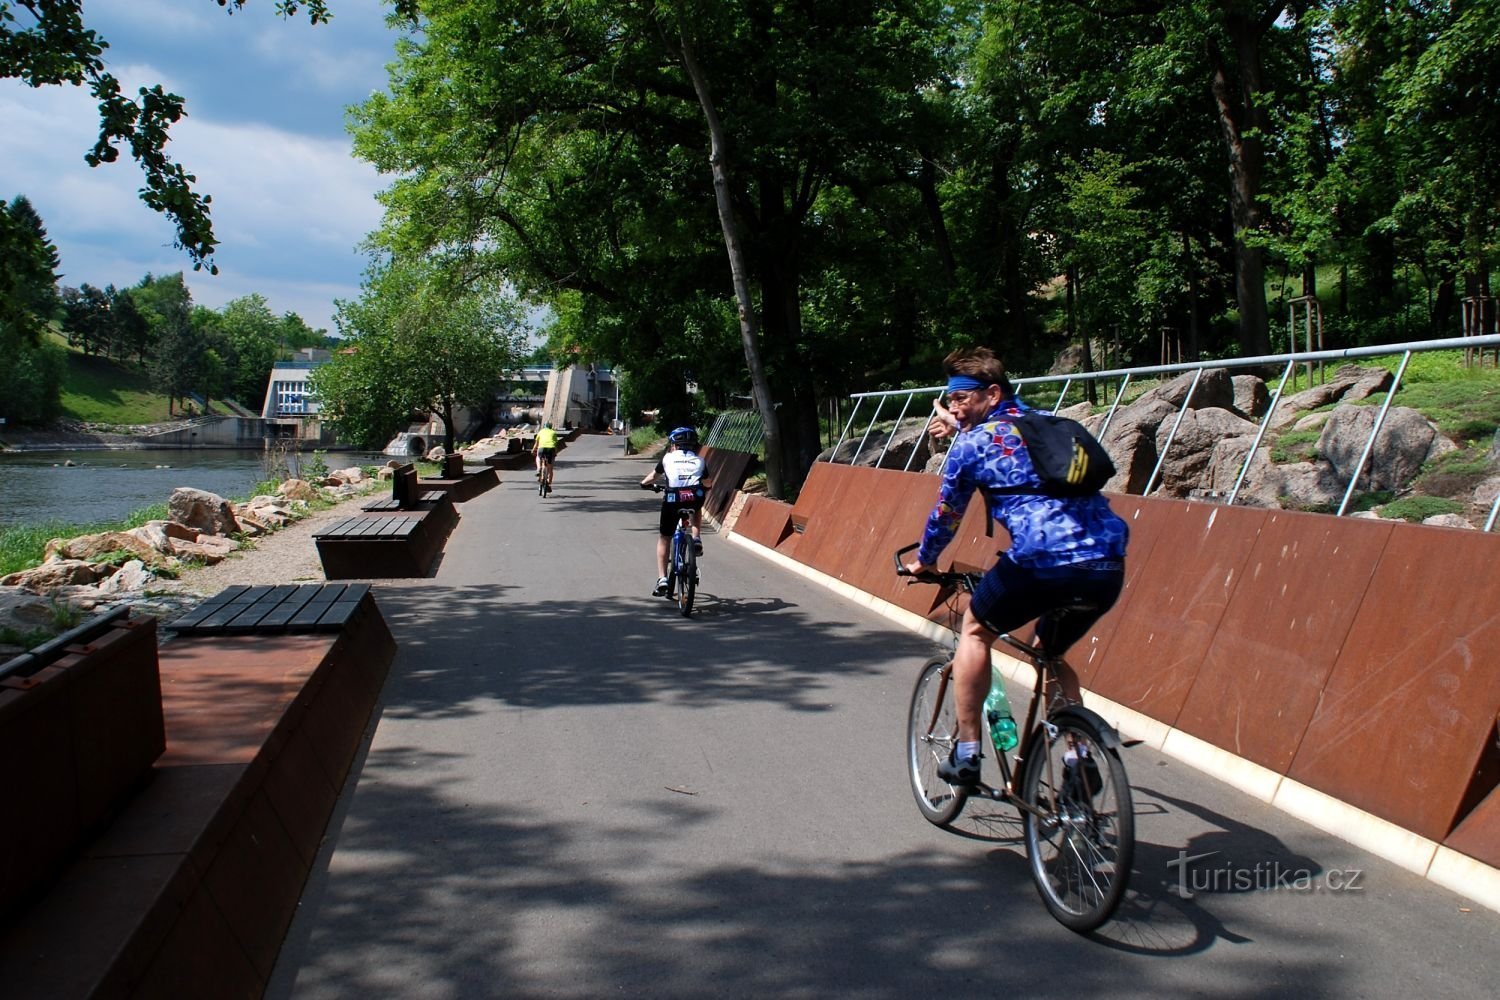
(291, 397)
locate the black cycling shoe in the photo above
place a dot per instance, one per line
(697, 547)
(959, 772)
(661, 588)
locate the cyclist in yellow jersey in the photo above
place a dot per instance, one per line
(546, 454)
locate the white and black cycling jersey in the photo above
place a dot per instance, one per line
(682, 468)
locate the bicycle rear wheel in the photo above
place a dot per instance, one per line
(931, 734)
(687, 577)
(1082, 844)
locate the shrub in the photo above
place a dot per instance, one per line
(1419, 509)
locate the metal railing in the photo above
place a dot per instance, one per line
(737, 430)
(1125, 375)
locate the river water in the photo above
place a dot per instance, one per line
(37, 487)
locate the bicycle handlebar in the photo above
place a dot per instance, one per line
(943, 578)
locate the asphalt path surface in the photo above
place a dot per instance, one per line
(572, 791)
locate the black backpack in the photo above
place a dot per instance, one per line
(1068, 459)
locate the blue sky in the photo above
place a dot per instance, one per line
(266, 99)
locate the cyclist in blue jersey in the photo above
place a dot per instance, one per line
(1064, 552)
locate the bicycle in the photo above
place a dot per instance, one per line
(544, 478)
(1065, 777)
(682, 562)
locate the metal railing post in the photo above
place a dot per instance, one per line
(910, 458)
(1374, 433)
(892, 435)
(1119, 394)
(1161, 459)
(1260, 433)
(879, 405)
(858, 402)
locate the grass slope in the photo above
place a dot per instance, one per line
(98, 390)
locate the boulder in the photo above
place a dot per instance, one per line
(1262, 484)
(1251, 397)
(1448, 521)
(910, 436)
(1407, 440)
(1186, 465)
(23, 611)
(1349, 383)
(207, 512)
(1486, 492)
(297, 489)
(209, 549)
(385, 473)
(1310, 486)
(436, 454)
(158, 534)
(50, 576)
(1215, 389)
(352, 475)
(132, 576)
(91, 547)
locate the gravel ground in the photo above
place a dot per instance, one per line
(285, 556)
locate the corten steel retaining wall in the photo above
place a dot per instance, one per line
(79, 737)
(727, 471)
(1359, 658)
(191, 890)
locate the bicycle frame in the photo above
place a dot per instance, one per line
(1046, 670)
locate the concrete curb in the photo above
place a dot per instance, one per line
(1442, 865)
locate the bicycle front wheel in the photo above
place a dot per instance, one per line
(931, 734)
(687, 580)
(1081, 838)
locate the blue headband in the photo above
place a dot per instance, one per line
(965, 383)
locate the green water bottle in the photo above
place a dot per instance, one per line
(997, 714)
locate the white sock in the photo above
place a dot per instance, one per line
(967, 749)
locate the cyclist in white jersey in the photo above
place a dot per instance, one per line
(687, 475)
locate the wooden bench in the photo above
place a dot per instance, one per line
(286, 609)
(466, 487)
(380, 546)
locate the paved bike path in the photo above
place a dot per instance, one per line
(573, 791)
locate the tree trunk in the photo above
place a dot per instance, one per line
(447, 407)
(1242, 122)
(749, 326)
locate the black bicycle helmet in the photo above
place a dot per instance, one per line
(684, 437)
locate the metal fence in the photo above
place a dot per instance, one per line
(1119, 380)
(737, 430)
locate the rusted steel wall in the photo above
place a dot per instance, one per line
(727, 470)
(1359, 657)
(764, 521)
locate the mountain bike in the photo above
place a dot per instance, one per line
(1064, 776)
(544, 478)
(682, 561)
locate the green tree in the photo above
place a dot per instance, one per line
(294, 334)
(28, 279)
(86, 314)
(576, 164)
(31, 383)
(419, 343)
(252, 332)
(166, 304)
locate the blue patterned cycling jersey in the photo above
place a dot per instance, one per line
(1044, 531)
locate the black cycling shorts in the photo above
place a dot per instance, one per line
(674, 499)
(548, 455)
(1067, 599)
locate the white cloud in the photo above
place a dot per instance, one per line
(288, 208)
